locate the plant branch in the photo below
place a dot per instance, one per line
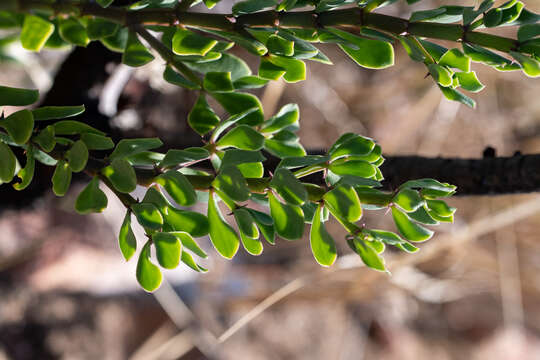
(350, 17)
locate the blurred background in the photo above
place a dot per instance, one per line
(472, 292)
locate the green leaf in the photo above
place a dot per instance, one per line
(168, 249)
(422, 216)
(246, 223)
(456, 59)
(222, 235)
(189, 221)
(8, 163)
(234, 157)
(528, 31)
(17, 97)
(440, 207)
(283, 149)
(408, 200)
(386, 237)
(35, 32)
(126, 238)
(187, 259)
(154, 196)
(178, 187)
(19, 126)
(173, 77)
(455, 95)
(249, 82)
(250, 6)
(226, 63)
(231, 182)
(371, 54)
(269, 71)
(479, 54)
(343, 203)
(322, 244)
(440, 74)
(99, 28)
(190, 244)
(61, 178)
(288, 219)
(181, 157)
(122, 175)
(97, 142)
(91, 199)
(437, 217)
(148, 275)
(468, 81)
(27, 173)
(295, 70)
(77, 156)
(367, 253)
(218, 81)
(288, 187)
(300, 161)
(148, 215)
(56, 112)
(287, 116)
(186, 42)
(265, 224)
(252, 246)
(280, 46)
(236, 103)
(130, 147)
(70, 127)
(202, 118)
(493, 17)
(135, 53)
(359, 168)
(104, 3)
(428, 184)
(224, 125)
(531, 66)
(351, 145)
(72, 31)
(408, 229)
(251, 170)
(242, 137)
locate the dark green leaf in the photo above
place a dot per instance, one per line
(57, 112)
(300, 161)
(130, 147)
(97, 142)
(8, 163)
(173, 77)
(440, 74)
(528, 31)
(455, 95)
(178, 187)
(77, 156)
(180, 157)
(218, 81)
(265, 224)
(343, 203)
(148, 215)
(19, 126)
(353, 167)
(235, 157)
(242, 137)
(122, 175)
(231, 182)
(288, 219)
(202, 118)
(99, 28)
(351, 145)
(222, 235)
(246, 223)
(72, 31)
(456, 59)
(236, 103)
(61, 178)
(91, 199)
(288, 187)
(280, 46)
(250, 6)
(17, 97)
(135, 53)
(440, 207)
(367, 253)
(531, 66)
(249, 82)
(70, 127)
(27, 173)
(422, 216)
